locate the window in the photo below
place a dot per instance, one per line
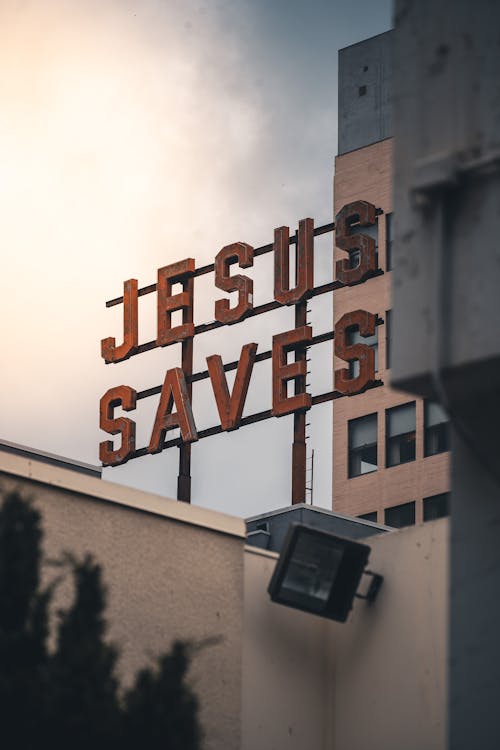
(354, 337)
(388, 335)
(369, 516)
(362, 445)
(400, 515)
(436, 429)
(362, 90)
(400, 434)
(354, 255)
(388, 241)
(437, 506)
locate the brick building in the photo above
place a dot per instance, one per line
(390, 451)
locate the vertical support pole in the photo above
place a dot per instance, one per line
(184, 478)
(299, 419)
(312, 476)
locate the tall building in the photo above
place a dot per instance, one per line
(390, 450)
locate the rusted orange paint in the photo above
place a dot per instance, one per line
(243, 254)
(364, 213)
(304, 263)
(174, 392)
(124, 396)
(230, 407)
(366, 322)
(109, 351)
(283, 343)
(176, 273)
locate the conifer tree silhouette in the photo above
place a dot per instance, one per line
(23, 625)
(70, 697)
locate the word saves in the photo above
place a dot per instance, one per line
(174, 408)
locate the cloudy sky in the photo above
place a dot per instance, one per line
(135, 134)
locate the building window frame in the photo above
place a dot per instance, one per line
(388, 338)
(406, 511)
(373, 232)
(400, 443)
(361, 448)
(354, 337)
(436, 506)
(371, 516)
(389, 228)
(436, 429)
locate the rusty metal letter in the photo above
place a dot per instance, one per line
(366, 323)
(243, 253)
(304, 263)
(364, 213)
(231, 407)
(176, 273)
(283, 372)
(126, 397)
(109, 351)
(174, 392)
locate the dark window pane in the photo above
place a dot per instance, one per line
(354, 337)
(437, 506)
(354, 258)
(400, 515)
(388, 246)
(400, 434)
(436, 429)
(362, 445)
(354, 255)
(388, 333)
(362, 460)
(369, 516)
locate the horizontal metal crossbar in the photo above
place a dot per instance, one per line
(322, 398)
(259, 310)
(202, 270)
(261, 357)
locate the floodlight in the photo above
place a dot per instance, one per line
(320, 572)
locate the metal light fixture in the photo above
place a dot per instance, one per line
(320, 572)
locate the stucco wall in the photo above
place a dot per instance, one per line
(284, 667)
(390, 658)
(376, 682)
(172, 571)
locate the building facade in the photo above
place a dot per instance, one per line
(266, 676)
(390, 451)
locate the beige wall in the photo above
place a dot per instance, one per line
(172, 571)
(279, 679)
(390, 658)
(376, 682)
(284, 667)
(366, 174)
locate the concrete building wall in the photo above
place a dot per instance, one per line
(390, 659)
(366, 174)
(284, 667)
(172, 571)
(376, 682)
(365, 89)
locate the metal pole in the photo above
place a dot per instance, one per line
(312, 475)
(184, 478)
(299, 418)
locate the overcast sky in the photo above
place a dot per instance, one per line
(135, 134)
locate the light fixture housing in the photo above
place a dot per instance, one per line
(320, 572)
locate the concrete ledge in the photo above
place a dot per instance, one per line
(100, 489)
(260, 552)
